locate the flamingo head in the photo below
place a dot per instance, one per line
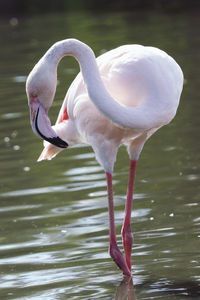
(40, 89)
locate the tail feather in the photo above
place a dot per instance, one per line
(49, 152)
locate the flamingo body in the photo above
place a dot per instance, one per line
(120, 98)
(130, 73)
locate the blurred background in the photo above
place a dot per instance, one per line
(36, 6)
(53, 215)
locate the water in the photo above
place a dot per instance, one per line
(53, 215)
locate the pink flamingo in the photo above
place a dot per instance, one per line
(120, 98)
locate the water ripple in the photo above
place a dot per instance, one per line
(55, 189)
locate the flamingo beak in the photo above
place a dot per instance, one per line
(41, 125)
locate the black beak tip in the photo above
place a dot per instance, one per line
(57, 142)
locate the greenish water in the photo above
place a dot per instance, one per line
(53, 215)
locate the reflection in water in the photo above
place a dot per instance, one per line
(125, 290)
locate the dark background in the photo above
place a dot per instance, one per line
(38, 6)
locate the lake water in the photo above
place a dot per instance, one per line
(54, 216)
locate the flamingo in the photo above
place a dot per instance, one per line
(120, 98)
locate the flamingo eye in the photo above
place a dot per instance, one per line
(34, 95)
(34, 98)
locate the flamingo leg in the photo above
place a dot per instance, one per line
(114, 250)
(126, 228)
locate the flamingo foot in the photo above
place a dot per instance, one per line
(118, 258)
(127, 243)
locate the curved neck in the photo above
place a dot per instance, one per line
(122, 116)
(81, 52)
